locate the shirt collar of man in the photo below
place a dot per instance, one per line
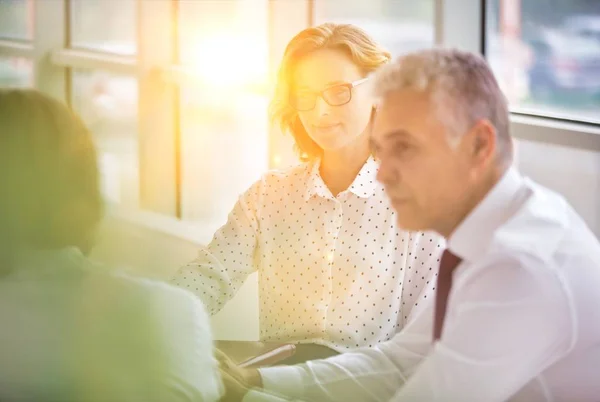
(363, 186)
(472, 237)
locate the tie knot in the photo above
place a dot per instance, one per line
(449, 261)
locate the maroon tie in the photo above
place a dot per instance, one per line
(448, 263)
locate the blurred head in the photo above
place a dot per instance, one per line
(322, 95)
(48, 175)
(441, 134)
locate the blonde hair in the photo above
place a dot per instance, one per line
(351, 40)
(461, 85)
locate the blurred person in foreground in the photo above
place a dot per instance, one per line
(73, 330)
(335, 270)
(516, 313)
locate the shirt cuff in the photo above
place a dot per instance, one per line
(283, 380)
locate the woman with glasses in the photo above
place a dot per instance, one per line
(335, 273)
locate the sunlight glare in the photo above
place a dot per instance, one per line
(230, 61)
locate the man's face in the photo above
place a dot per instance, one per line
(426, 178)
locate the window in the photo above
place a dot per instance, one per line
(108, 105)
(108, 101)
(15, 72)
(546, 55)
(224, 128)
(16, 24)
(16, 19)
(399, 25)
(107, 26)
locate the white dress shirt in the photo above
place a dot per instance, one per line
(522, 323)
(332, 270)
(72, 331)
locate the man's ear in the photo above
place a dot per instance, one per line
(483, 142)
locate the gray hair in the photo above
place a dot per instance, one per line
(461, 85)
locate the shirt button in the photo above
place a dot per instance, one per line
(330, 257)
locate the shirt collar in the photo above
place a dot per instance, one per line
(315, 186)
(474, 234)
(363, 186)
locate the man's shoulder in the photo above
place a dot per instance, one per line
(537, 227)
(542, 228)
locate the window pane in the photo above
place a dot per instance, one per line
(16, 72)
(108, 105)
(16, 19)
(399, 25)
(546, 55)
(224, 112)
(104, 25)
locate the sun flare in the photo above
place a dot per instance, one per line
(229, 61)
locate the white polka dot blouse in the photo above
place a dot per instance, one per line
(332, 270)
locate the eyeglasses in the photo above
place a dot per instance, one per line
(335, 95)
